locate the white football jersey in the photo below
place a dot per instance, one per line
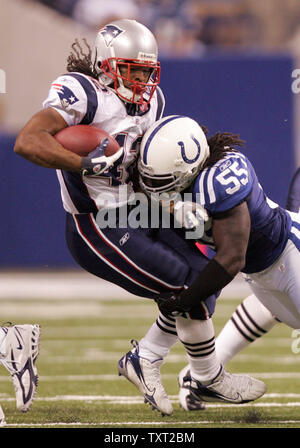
(80, 99)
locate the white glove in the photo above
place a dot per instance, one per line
(96, 162)
(191, 216)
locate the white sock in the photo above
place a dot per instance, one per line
(250, 321)
(159, 339)
(198, 338)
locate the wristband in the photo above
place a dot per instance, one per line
(212, 279)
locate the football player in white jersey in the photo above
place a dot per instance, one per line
(115, 87)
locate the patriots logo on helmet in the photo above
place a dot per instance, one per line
(66, 95)
(110, 32)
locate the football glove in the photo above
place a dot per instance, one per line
(171, 304)
(97, 162)
(191, 216)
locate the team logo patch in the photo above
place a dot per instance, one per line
(183, 153)
(110, 32)
(66, 95)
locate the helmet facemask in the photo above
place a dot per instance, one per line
(164, 183)
(128, 89)
(121, 48)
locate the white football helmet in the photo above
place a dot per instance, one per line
(172, 152)
(130, 44)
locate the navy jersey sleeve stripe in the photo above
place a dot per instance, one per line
(160, 104)
(79, 193)
(92, 100)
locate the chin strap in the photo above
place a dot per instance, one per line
(125, 93)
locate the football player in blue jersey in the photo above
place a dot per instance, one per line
(250, 321)
(249, 232)
(115, 87)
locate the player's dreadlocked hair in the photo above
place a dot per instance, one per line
(80, 60)
(219, 144)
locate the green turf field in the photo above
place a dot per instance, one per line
(82, 342)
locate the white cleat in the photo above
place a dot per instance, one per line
(145, 375)
(227, 387)
(18, 353)
(187, 401)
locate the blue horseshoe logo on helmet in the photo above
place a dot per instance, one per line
(183, 154)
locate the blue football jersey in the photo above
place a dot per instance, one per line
(228, 183)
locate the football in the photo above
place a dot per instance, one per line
(82, 139)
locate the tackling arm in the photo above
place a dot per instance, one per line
(231, 232)
(36, 143)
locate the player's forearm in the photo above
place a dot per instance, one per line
(218, 273)
(232, 261)
(36, 143)
(41, 148)
(231, 236)
(212, 279)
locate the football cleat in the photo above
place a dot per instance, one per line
(227, 387)
(145, 375)
(187, 401)
(18, 353)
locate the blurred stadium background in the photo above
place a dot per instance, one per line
(227, 63)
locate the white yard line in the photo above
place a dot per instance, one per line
(132, 400)
(161, 423)
(114, 377)
(96, 355)
(137, 399)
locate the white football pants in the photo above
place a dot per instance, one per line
(278, 287)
